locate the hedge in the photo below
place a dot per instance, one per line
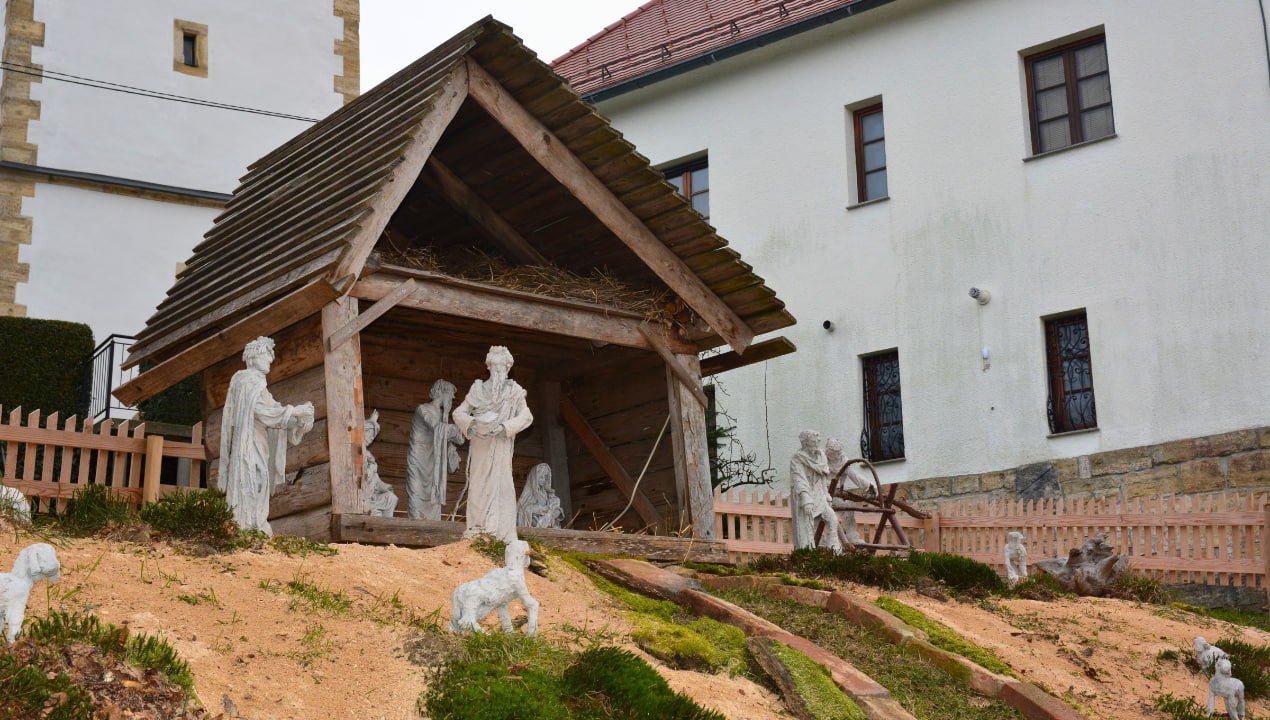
(45, 365)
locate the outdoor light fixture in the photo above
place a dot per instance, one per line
(980, 295)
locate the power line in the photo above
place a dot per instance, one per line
(142, 92)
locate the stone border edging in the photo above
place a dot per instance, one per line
(1032, 701)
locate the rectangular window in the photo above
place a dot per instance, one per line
(1069, 95)
(1071, 376)
(870, 153)
(190, 50)
(883, 434)
(189, 53)
(692, 180)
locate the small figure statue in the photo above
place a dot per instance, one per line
(1207, 655)
(35, 562)
(491, 415)
(474, 599)
(255, 431)
(538, 506)
(1015, 558)
(433, 454)
(810, 501)
(836, 455)
(1228, 688)
(380, 498)
(13, 504)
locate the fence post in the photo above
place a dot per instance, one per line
(154, 467)
(933, 539)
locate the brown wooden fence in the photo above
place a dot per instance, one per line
(50, 458)
(1212, 539)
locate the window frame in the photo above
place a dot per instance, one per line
(181, 30)
(1071, 83)
(1056, 406)
(861, 174)
(684, 172)
(871, 431)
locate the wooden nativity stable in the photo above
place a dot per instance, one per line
(472, 199)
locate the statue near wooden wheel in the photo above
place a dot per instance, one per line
(490, 416)
(809, 494)
(836, 454)
(255, 432)
(433, 453)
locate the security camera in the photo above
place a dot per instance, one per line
(980, 295)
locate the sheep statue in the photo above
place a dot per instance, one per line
(474, 599)
(1207, 655)
(1015, 558)
(13, 504)
(1227, 688)
(35, 562)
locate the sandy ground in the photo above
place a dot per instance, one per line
(1098, 654)
(244, 641)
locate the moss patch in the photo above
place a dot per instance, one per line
(944, 637)
(814, 684)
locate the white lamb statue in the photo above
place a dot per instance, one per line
(1015, 558)
(1230, 689)
(473, 600)
(1207, 655)
(35, 562)
(13, 503)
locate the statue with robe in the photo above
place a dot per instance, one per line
(490, 416)
(255, 432)
(809, 494)
(538, 506)
(380, 498)
(836, 454)
(433, 454)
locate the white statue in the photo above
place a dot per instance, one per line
(35, 562)
(539, 507)
(836, 455)
(809, 489)
(491, 415)
(1207, 655)
(1228, 688)
(1015, 558)
(13, 504)
(255, 430)
(474, 599)
(432, 455)
(380, 499)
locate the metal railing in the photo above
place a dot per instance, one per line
(105, 374)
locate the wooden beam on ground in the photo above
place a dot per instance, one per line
(467, 299)
(405, 532)
(463, 198)
(691, 384)
(692, 454)
(578, 423)
(373, 313)
(345, 415)
(278, 314)
(312, 489)
(757, 353)
(554, 452)
(578, 179)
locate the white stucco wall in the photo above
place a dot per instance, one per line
(1160, 233)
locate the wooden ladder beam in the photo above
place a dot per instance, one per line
(595, 445)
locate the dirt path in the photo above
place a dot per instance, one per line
(247, 638)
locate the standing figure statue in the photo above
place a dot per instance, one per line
(1015, 558)
(836, 454)
(491, 415)
(809, 489)
(255, 431)
(380, 499)
(432, 456)
(539, 507)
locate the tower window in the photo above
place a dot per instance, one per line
(189, 55)
(189, 50)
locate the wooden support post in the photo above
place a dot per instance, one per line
(692, 456)
(595, 445)
(933, 540)
(373, 313)
(553, 448)
(691, 382)
(154, 467)
(345, 415)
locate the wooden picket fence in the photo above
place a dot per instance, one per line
(49, 459)
(1214, 539)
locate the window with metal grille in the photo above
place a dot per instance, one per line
(1071, 377)
(883, 435)
(1069, 95)
(692, 180)
(870, 153)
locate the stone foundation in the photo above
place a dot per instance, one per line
(1238, 460)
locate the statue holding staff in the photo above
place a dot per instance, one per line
(433, 454)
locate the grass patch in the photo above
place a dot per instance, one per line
(196, 515)
(944, 637)
(1180, 708)
(1040, 586)
(960, 574)
(923, 689)
(1252, 665)
(816, 687)
(28, 691)
(294, 546)
(663, 609)
(311, 597)
(1237, 617)
(495, 550)
(705, 645)
(95, 508)
(139, 650)
(1140, 589)
(616, 684)
(889, 572)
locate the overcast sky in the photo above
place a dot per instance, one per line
(396, 32)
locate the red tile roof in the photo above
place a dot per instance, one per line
(663, 33)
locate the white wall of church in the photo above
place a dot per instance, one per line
(1160, 233)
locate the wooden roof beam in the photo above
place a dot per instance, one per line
(441, 180)
(578, 179)
(690, 383)
(373, 313)
(757, 353)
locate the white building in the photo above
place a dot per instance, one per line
(116, 152)
(1140, 223)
